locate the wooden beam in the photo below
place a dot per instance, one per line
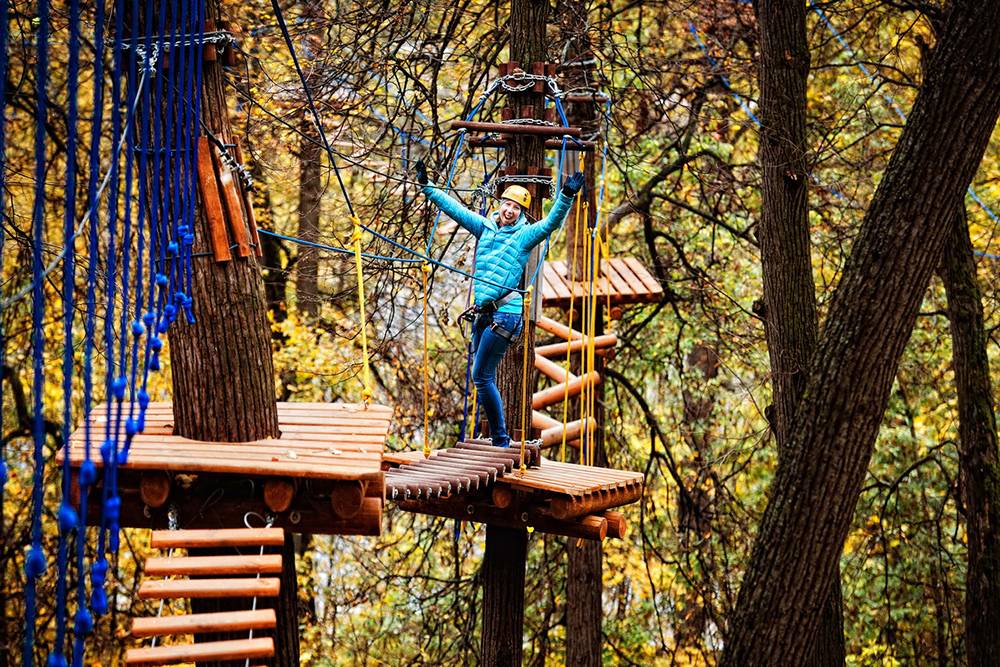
(189, 624)
(279, 492)
(504, 128)
(236, 649)
(554, 435)
(617, 525)
(600, 342)
(227, 537)
(558, 329)
(552, 370)
(556, 393)
(154, 488)
(567, 507)
(172, 589)
(158, 566)
(588, 527)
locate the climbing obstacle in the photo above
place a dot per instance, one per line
(323, 475)
(243, 577)
(481, 483)
(621, 280)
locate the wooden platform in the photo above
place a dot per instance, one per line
(328, 454)
(489, 486)
(625, 279)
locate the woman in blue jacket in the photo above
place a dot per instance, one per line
(506, 239)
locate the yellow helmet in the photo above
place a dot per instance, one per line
(518, 195)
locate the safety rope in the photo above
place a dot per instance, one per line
(572, 297)
(524, 376)
(425, 270)
(366, 391)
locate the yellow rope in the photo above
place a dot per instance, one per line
(591, 347)
(425, 269)
(572, 296)
(524, 377)
(366, 391)
(584, 319)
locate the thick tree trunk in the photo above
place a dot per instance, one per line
(310, 191)
(816, 487)
(506, 550)
(223, 378)
(790, 318)
(503, 596)
(980, 458)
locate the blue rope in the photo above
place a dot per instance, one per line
(35, 562)
(84, 622)
(459, 143)
(338, 250)
(67, 517)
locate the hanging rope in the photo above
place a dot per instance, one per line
(524, 377)
(425, 270)
(366, 391)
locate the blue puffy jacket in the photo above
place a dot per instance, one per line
(502, 252)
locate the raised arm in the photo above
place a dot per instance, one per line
(473, 222)
(536, 232)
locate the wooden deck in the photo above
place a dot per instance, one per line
(318, 441)
(323, 475)
(625, 279)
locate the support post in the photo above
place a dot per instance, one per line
(503, 595)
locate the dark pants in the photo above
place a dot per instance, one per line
(488, 348)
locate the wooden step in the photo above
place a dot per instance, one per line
(236, 649)
(189, 624)
(229, 537)
(202, 565)
(209, 588)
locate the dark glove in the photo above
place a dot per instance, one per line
(421, 172)
(573, 185)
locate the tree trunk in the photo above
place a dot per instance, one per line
(584, 572)
(506, 550)
(790, 318)
(503, 596)
(871, 316)
(310, 196)
(223, 377)
(979, 457)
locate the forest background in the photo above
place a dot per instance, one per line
(688, 392)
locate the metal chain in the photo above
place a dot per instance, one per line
(522, 179)
(529, 121)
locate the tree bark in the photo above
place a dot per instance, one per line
(871, 317)
(223, 377)
(979, 456)
(790, 318)
(503, 596)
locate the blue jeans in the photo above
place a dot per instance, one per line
(488, 348)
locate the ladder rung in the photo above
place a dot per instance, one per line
(201, 565)
(189, 624)
(225, 537)
(209, 588)
(236, 649)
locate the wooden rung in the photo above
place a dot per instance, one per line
(558, 329)
(209, 588)
(189, 624)
(202, 565)
(558, 392)
(227, 537)
(236, 649)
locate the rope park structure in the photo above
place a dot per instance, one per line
(169, 245)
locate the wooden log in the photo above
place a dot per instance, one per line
(556, 393)
(542, 421)
(158, 566)
(552, 370)
(503, 496)
(189, 624)
(534, 130)
(588, 528)
(559, 349)
(225, 537)
(172, 589)
(154, 488)
(279, 492)
(208, 52)
(565, 507)
(208, 187)
(233, 206)
(346, 498)
(617, 525)
(585, 97)
(576, 145)
(235, 649)
(558, 329)
(554, 435)
(532, 453)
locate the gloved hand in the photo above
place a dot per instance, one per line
(421, 172)
(573, 185)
